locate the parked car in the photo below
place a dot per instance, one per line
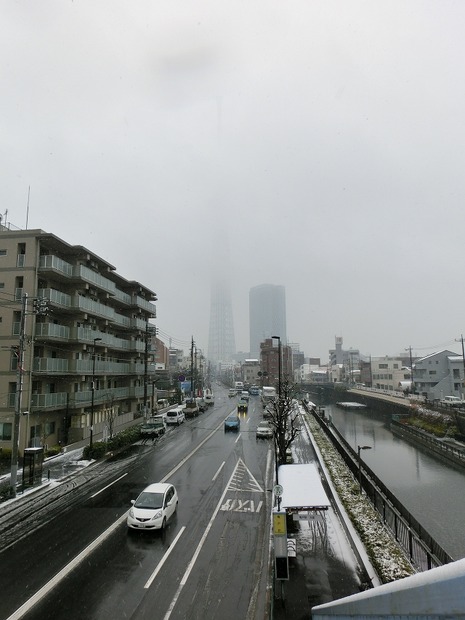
(264, 430)
(191, 410)
(154, 427)
(175, 416)
(153, 507)
(452, 401)
(209, 399)
(202, 404)
(232, 422)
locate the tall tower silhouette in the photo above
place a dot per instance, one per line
(221, 340)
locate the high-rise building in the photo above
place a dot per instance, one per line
(75, 336)
(221, 340)
(267, 315)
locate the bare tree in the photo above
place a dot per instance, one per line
(283, 420)
(111, 414)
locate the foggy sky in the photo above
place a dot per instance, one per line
(318, 145)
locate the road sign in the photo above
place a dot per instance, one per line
(181, 378)
(278, 490)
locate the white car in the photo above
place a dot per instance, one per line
(264, 430)
(153, 508)
(175, 416)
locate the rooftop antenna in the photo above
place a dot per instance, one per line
(27, 211)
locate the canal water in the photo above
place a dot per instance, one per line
(433, 492)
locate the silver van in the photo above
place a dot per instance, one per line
(175, 416)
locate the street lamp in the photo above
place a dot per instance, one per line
(92, 392)
(278, 338)
(359, 448)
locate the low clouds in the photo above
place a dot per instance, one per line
(320, 144)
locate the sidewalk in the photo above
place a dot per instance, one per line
(56, 469)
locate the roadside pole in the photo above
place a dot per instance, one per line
(19, 390)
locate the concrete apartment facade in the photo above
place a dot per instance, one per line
(440, 374)
(389, 373)
(86, 360)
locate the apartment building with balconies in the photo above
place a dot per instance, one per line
(86, 359)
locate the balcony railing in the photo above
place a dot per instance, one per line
(84, 273)
(146, 305)
(44, 401)
(52, 330)
(51, 365)
(123, 297)
(55, 263)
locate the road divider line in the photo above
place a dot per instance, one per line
(186, 458)
(108, 485)
(199, 548)
(40, 594)
(218, 472)
(238, 437)
(48, 587)
(164, 558)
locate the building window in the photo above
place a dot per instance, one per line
(383, 365)
(5, 431)
(2, 252)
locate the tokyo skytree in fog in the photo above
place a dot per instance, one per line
(221, 340)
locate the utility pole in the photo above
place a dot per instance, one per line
(192, 369)
(412, 384)
(146, 365)
(19, 390)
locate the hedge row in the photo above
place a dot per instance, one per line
(122, 439)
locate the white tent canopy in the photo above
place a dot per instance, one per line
(302, 488)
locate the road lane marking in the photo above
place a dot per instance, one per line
(164, 558)
(197, 551)
(241, 505)
(186, 458)
(39, 595)
(108, 485)
(217, 473)
(48, 587)
(237, 439)
(243, 480)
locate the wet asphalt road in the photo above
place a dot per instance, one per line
(213, 559)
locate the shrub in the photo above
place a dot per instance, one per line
(53, 451)
(98, 450)
(5, 455)
(122, 439)
(6, 492)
